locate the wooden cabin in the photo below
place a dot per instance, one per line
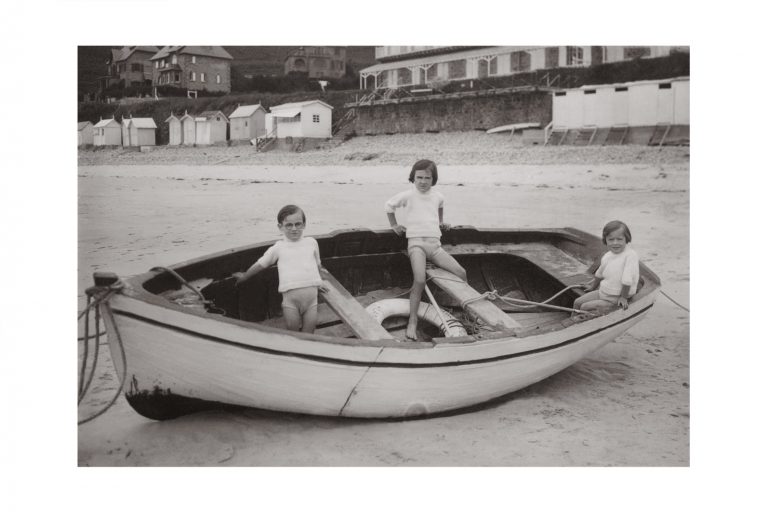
(174, 130)
(138, 131)
(304, 119)
(247, 122)
(107, 132)
(187, 129)
(210, 127)
(84, 134)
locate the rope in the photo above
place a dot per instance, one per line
(97, 296)
(675, 302)
(184, 282)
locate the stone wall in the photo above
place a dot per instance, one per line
(455, 113)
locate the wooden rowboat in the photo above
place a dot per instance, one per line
(178, 354)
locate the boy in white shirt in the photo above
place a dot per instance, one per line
(422, 214)
(298, 269)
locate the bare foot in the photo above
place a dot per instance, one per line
(410, 331)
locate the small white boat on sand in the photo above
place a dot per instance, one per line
(186, 339)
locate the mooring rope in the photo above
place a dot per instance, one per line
(675, 302)
(102, 295)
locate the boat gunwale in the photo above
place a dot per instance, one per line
(135, 289)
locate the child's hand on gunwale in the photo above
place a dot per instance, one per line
(399, 229)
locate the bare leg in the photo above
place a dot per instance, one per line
(419, 267)
(589, 296)
(309, 320)
(292, 319)
(445, 261)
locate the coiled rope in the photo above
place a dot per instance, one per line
(98, 296)
(207, 303)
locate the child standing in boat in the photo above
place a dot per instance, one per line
(617, 277)
(421, 214)
(298, 269)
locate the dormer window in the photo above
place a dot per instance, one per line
(174, 60)
(194, 59)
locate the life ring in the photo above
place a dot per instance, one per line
(386, 308)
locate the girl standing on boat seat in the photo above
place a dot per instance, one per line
(298, 269)
(618, 275)
(422, 219)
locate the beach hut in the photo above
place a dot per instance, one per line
(139, 131)
(174, 130)
(304, 119)
(210, 127)
(187, 129)
(247, 122)
(107, 133)
(84, 134)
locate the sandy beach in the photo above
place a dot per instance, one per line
(625, 405)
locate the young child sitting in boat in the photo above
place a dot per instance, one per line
(421, 222)
(617, 277)
(298, 269)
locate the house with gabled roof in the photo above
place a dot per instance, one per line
(247, 122)
(129, 66)
(138, 131)
(210, 127)
(192, 68)
(84, 134)
(107, 133)
(303, 119)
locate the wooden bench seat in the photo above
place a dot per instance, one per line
(351, 311)
(462, 292)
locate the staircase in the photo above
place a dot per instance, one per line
(584, 136)
(660, 134)
(265, 143)
(616, 135)
(556, 137)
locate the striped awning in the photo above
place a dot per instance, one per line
(286, 112)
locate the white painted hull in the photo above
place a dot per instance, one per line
(173, 355)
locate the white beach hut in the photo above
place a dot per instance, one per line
(107, 133)
(210, 127)
(187, 129)
(139, 131)
(247, 122)
(174, 130)
(84, 134)
(304, 119)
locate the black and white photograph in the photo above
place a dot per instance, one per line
(309, 250)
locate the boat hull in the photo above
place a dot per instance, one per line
(178, 360)
(175, 367)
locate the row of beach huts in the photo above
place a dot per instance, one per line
(307, 120)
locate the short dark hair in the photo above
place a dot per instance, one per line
(613, 226)
(424, 165)
(290, 209)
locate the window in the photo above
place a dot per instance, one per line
(246, 123)
(636, 52)
(574, 56)
(552, 57)
(177, 76)
(162, 63)
(218, 78)
(404, 76)
(202, 77)
(137, 66)
(157, 64)
(315, 118)
(174, 59)
(194, 59)
(457, 69)
(192, 76)
(520, 61)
